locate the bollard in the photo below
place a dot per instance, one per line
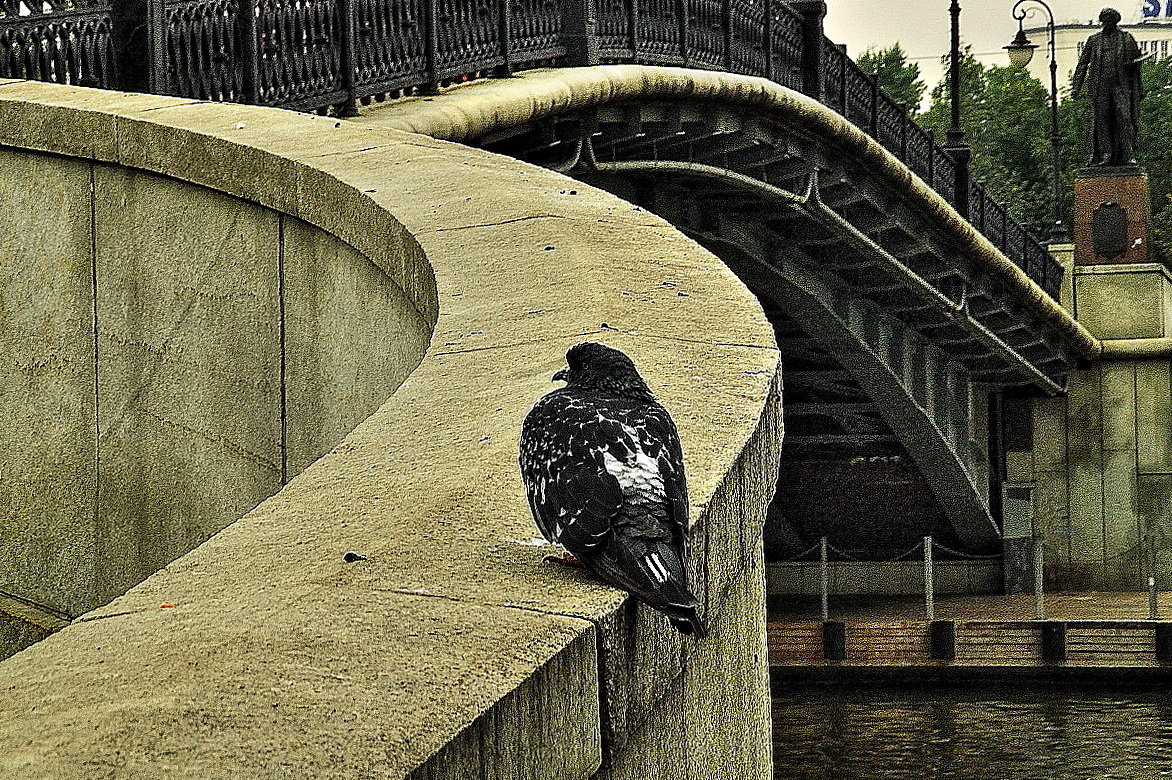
(825, 582)
(1053, 641)
(942, 634)
(1164, 643)
(929, 596)
(1039, 592)
(1153, 604)
(834, 640)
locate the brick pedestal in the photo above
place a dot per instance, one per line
(1111, 216)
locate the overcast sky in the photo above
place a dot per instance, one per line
(922, 26)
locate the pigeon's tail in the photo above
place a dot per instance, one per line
(653, 572)
(688, 621)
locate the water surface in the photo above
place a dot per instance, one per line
(1011, 732)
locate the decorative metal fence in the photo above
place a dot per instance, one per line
(855, 95)
(322, 54)
(65, 41)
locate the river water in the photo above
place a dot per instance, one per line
(988, 733)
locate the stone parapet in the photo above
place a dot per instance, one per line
(449, 652)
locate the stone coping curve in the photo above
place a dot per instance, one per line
(474, 109)
(278, 658)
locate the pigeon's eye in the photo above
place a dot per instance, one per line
(585, 367)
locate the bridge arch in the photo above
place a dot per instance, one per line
(896, 316)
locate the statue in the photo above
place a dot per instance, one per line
(1109, 67)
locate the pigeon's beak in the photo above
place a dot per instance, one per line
(560, 376)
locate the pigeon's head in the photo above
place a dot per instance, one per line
(591, 365)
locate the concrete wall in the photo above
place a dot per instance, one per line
(1101, 457)
(172, 355)
(450, 652)
(1102, 465)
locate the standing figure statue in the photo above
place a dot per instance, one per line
(1109, 67)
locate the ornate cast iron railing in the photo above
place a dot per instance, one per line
(61, 41)
(318, 54)
(855, 95)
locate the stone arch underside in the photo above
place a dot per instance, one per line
(892, 330)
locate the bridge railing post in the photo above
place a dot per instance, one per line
(431, 46)
(812, 13)
(156, 30)
(579, 19)
(960, 198)
(246, 20)
(131, 44)
(505, 34)
(349, 106)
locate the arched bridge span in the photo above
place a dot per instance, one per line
(895, 317)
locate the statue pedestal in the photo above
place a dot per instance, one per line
(1124, 301)
(1118, 292)
(1112, 212)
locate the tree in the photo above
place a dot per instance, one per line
(1154, 154)
(896, 76)
(1005, 116)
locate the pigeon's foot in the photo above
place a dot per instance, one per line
(565, 559)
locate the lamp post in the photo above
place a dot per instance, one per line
(1021, 51)
(958, 150)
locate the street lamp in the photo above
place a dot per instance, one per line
(954, 142)
(1021, 51)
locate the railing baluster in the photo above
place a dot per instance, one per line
(505, 10)
(431, 47)
(247, 20)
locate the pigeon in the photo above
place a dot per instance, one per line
(604, 473)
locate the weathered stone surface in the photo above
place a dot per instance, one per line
(1155, 515)
(1124, 301)
(48, 461)
(1153, 393)
(1085, 451)
(188, 368)
(350, 338)
(1117, 391)
(280, 659)
(305, 681)
(1095, 450)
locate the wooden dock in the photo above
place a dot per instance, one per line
(1089, 632)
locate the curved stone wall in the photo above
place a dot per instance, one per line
(450, 651)
(173, 356)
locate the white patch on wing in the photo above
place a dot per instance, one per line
(656, 567)
(639, 474)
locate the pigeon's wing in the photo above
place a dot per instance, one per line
(573, 497)
(664, 441)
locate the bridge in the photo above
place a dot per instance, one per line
(900, 298)
(889, 275)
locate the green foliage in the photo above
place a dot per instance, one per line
(896, 76)
(1005, 116)
(1155, 153)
